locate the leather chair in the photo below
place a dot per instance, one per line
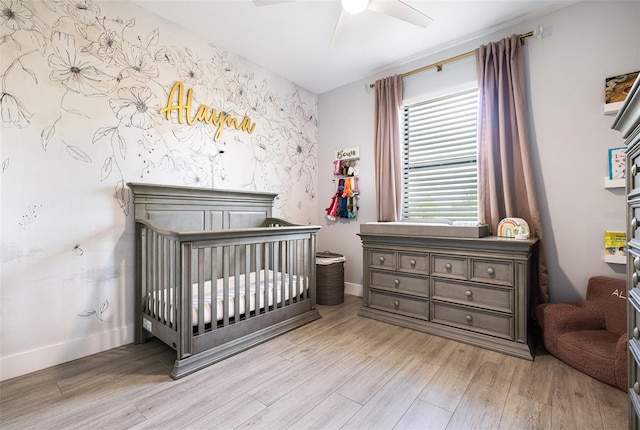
(590, 336)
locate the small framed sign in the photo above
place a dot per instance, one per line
(348, 154)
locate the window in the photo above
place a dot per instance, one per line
(440, 171)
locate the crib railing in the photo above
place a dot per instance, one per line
(178, 272)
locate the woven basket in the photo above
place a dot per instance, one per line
(329, 281)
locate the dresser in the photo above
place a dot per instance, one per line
(627, 122)
(473, 290)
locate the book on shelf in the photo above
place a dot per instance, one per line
(615, 243)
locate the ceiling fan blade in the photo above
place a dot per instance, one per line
(270, 2)
(338, 29)
(400, 10)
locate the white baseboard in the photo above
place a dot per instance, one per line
(51, 355)
(353, 289)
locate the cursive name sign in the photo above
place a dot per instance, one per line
(183, 107)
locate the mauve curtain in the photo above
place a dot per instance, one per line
(388, 165)
(505, 174)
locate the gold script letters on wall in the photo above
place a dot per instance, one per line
(204, 113)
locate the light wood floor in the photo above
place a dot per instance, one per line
(340, 372)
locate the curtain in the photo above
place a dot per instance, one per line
(388, 163)
(505, 175)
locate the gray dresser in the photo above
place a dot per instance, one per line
(627, 122)
(473, 290)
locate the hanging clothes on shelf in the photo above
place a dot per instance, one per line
(344, 203)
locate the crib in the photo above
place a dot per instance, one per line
(216, 274)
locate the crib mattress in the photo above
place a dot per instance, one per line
(167, 295)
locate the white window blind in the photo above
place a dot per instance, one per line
(440, 172)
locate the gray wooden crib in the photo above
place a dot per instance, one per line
(216, 274)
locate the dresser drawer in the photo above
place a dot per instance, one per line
(634, 391)
(409, 306)
(381, 259)
(494, 298)
(400, 283)
(413, 263)
(491, 323)
(633, 161)
(449, 266)
(498, 272)
(634, 317)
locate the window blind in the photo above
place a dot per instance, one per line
(440, 173)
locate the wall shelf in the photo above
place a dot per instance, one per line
(612, 108)
(615, 259)
(614, 183)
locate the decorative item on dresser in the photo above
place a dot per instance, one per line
(627, 122)
(470, 289)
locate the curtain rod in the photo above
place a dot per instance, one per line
(537, 32)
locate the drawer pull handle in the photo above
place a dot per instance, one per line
(491, 271)
(413, 263)
(381, 260)
(636, 387)
(469, 318)
(396, 304)
(468, 293)
(634, 170)
(636, 263)
(634, 224)
(396, 282)
(448, 267)
(634, 279)
(636, 333)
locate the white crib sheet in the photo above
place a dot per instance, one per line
(167, 295)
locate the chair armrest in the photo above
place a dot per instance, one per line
(564, 317)
(620, 366)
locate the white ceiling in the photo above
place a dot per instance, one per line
(292, 38)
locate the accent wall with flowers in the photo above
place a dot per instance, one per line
(82, 86)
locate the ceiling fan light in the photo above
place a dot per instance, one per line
(354, 6)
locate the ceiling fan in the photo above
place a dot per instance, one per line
(393, 8)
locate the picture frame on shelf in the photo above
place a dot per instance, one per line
(617, 163)
(616, 89)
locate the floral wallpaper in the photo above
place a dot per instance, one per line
(82, 83)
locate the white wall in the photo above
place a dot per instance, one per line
(582, 45)
(73, 137)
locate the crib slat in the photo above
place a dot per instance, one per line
(284, 270)
(259, 271)
(268, 252)
(311, 265)
(300, 267)
(214, 287)
(175, 277)
(163, 280)
(184, 302)
(200, 290)
(276, 255)
(290, 268)
(225, 286)
(144, 272)
(249, 250)
(154, 276)
(293, 269)
(236, 283)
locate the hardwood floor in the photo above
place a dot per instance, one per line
(340, 372)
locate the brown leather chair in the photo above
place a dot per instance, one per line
(590, 336)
